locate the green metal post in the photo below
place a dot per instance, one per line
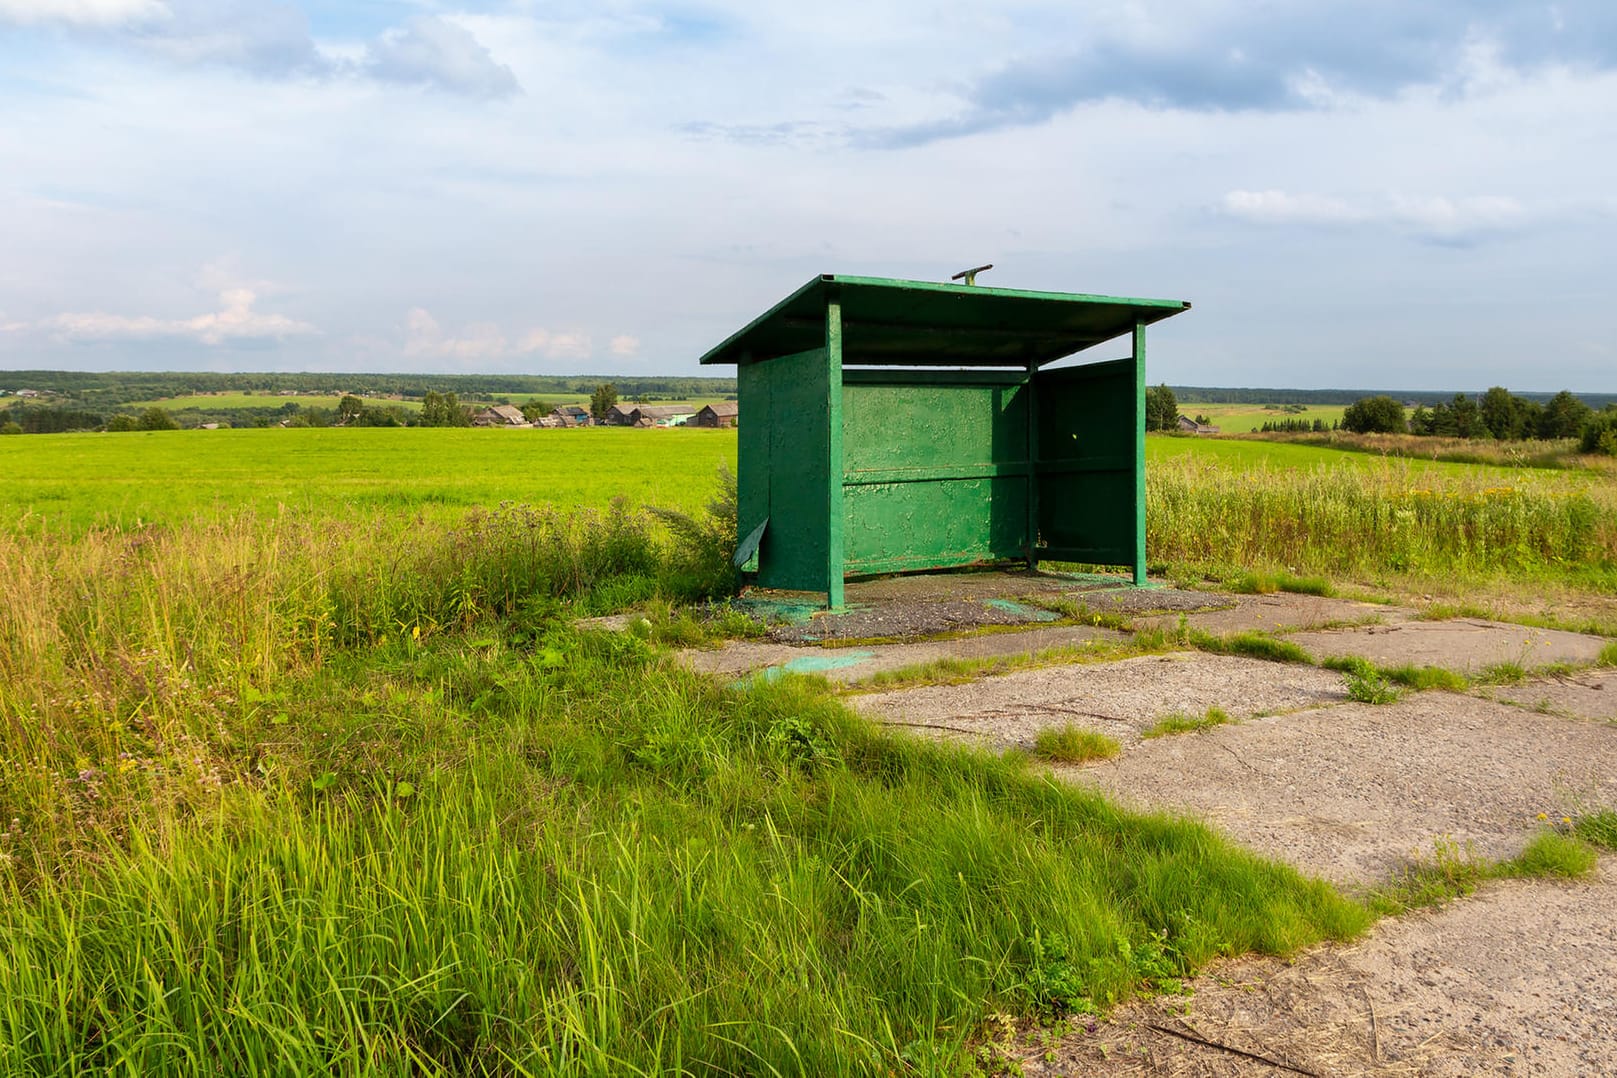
(1030, 394)
(835, 511)
(1139, 454)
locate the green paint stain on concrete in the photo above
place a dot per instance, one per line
(1022, 610)
(807, 664)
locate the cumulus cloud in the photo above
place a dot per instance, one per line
(235, 321)
(433, 52)
(1431, 217)
(485, 342)
(1231, 58)
(99, 13)
(625, 346)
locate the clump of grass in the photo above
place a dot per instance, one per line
(1552, 853)
(1608, 655)
(1365, 683)
(1187, 724)
(1599, 828)
(1423, 678)
(1450, 611)
(1305, 585)
(1071, 744)
(1251, 583)
(1453, 870)
(1502, 673)
(1253, 644)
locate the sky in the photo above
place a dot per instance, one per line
(1368, 194)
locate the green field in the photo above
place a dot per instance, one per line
(1242, 418)
(79, 480)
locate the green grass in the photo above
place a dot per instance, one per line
(1453, 871)
(1423, 678)
(1598, 828)
(1608, 655)
(1187, 724)
(1071, 744)
(320, 794)
(1367, 683)
(77, 480)
(1251, 643)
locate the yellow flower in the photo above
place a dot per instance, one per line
(1567, 820)
(1543, 816)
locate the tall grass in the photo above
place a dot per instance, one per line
(292, 797)
(1391, 518)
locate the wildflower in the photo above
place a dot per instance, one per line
(1567, 820)
(1543, 816)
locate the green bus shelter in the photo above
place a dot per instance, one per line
(889, 426)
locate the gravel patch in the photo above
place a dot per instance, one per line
(1118, 698)
(901, 619)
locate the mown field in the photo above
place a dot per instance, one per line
(1242, 418)
(304, 767)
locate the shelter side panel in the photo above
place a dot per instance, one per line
(935, 470)
(1085, 463)
(795, 437)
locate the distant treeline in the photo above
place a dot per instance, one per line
(105, 390)
(1429, 398)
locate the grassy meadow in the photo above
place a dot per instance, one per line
(305, 767)
(1242, 418)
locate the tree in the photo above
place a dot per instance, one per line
(10, 426)
(444, 410)
(535, 410)
(603, 400)
(1374, 415)
(1563, 417)
(1467, 418)
(155, 418)
(350, 407)
(1508, 417)
(123, 421)
(1161, 408)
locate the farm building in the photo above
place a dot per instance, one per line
(571, 415)
(722, 414)
(1190, 426)
(649, 415)
(909, 425)
(500, 415)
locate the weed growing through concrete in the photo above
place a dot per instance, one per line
(1187, 724)
(1074, 745)
(1608, 655)
(1453, 870)
(1365, 683)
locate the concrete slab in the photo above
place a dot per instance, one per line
(851, 665)
(1463, 644)
(1120, 699)
(1589, 695)
(1349, 792)
(1282, 612)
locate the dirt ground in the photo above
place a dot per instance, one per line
(1520, 978)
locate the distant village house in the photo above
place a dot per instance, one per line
(1190, 426)
(722, 414)
(501, 415)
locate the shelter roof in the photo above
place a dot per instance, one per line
(888, 322)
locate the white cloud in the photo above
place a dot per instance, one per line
(234, 321)
(429, 51)
(485, 342)
(100, 13)
(1435, 217)
(625, 346)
